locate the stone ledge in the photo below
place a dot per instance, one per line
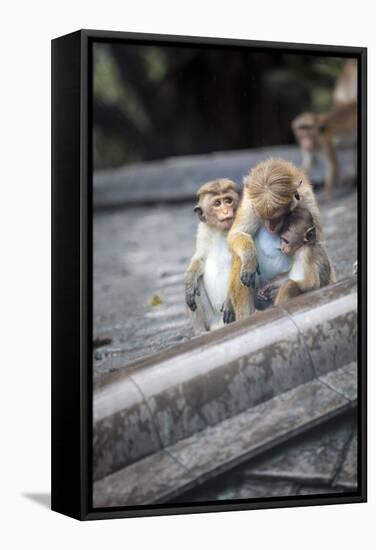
(178, 468)
(177, 393)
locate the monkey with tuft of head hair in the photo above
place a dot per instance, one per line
(272, 190)
(206, 279)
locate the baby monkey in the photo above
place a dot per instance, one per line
(312, 267)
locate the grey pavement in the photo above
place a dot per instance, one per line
(140, 255)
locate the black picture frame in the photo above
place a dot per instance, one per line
(72, 287)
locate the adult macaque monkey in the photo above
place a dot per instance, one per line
(311, 267)
(271, 191)
(206, 279)
(321, 133)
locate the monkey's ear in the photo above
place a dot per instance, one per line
(310, 235)
(199, 212)
(296, 194)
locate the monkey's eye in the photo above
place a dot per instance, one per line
(217, 203)
(228, 200)
(284, 240)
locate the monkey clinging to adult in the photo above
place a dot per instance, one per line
(311, 268)
(206, 279)
(320, 133)
(272, 190)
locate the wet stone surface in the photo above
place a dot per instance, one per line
(347, 476)
(312, 458)
(319, 462)
(140, 255)
(138, 484)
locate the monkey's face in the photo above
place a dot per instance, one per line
(306, 130)
(295, 237)
(221, 211)
(274, 223)
(290, 243)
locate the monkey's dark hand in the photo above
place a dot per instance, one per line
(262, 295)
(248, 278)
(191, 291)
(228, 312)
(267, 293)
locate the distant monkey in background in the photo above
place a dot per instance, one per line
(322, 132)
(272, 190)
(311, 267)
(346, 87)
(206, 279)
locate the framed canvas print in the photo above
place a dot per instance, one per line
(209, 274)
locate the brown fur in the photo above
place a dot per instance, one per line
(345, 89)
(271, 185)
(222, 185)
(288, 290)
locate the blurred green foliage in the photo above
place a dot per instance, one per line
(152, 102)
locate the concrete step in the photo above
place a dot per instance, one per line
(306, 464)
(177, 468)
(162, 399)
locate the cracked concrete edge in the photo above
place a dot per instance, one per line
(183, 391)
(173, 471)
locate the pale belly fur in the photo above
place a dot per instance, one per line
(217, 271)
(270, 258)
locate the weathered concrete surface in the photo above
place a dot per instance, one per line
(217, 376)
(158, 474)
(296, 468)
(177, 179)
(343, 381)
(314, 458)
(125, 437)
(348, 474)
(218, 448)
(137, 256)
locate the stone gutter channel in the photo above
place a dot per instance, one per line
(172, 420)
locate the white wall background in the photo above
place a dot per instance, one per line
(27, 28)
